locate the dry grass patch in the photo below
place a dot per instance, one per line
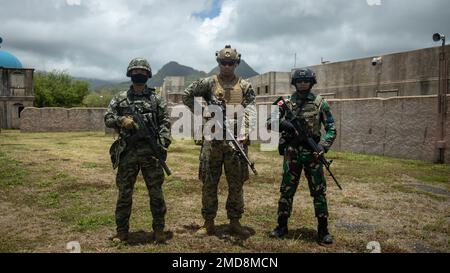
(60, 187)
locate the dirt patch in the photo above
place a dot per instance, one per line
(431, 189)
(357, 227)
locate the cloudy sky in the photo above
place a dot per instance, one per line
(97, 38)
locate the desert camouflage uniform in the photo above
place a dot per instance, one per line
(138, 155)
(217, 153)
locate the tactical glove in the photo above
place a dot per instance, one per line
(323, 147)
(165, 142)
(127, 123)
(320, 152)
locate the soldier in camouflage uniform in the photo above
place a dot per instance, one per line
(132, 156)
(298, 157)
(231, 90)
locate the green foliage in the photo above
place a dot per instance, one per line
(99, 98)
(58, 89)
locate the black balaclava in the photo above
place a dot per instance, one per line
(139, 78)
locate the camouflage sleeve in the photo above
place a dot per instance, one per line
(111, 116)
(249, 104)
(164, 122)
(277, 116)
(198, 88)
(326, 118)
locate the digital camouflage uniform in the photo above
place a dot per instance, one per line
(317, 112)
(138, 155)
(217, 153)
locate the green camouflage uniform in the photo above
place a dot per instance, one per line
(316, 111)
(217, 153)
(138, 155)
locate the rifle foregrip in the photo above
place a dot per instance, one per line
(166, 168)
(254, 170)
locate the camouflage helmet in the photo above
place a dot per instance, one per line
(304, 74)
(228, 53)
(139, 63)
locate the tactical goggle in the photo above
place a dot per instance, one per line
(229, 63)
(305, 80)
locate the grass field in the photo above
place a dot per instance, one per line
(60, 187)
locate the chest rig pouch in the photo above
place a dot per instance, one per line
(230, 93)
(310, 111)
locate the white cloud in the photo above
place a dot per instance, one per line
(97, 38)
(209, 29)
(73, 2)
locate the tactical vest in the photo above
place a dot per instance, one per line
(232, 93)
(311, 112)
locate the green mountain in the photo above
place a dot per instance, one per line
(96, 84)
(174, 69)
(171, 69)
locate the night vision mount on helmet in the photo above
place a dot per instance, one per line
(228, 54)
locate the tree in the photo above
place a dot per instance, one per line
(100, 98)
(58, 89)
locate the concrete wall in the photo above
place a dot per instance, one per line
(404, 127)
(62, 119)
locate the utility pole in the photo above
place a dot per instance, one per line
(442, 99)
(295, 60)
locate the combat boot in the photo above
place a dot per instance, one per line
(282, 228)
(236, 228)
(120, 237)
(208, 228)
(324, 237)
(160, 238)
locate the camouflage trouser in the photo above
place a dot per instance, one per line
(214, 154)
(132, 161)
(294, 161)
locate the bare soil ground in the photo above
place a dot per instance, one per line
(60, 187)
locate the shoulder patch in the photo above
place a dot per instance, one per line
(319, 101)
(113, 103)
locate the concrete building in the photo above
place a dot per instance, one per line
(411, 73)
(269, 85)
(173, 89)
(16, 90)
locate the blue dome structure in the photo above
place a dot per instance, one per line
(7, 60)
